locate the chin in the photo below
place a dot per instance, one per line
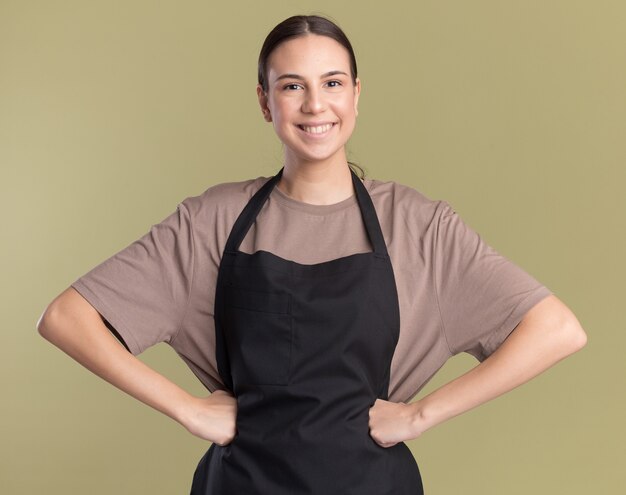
(321, 157)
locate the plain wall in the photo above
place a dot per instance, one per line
(112, 112)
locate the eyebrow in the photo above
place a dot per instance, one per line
(297, 76)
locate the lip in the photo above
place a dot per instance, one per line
(316, 136)
(315, 124)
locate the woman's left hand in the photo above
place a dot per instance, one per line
(391, 422)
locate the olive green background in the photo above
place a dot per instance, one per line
(112, 112)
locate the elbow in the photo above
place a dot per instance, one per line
(46, 323)
(578, 336)
(573, 336)
(568, 334)
(53, 316)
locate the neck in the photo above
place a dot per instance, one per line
(317, 183)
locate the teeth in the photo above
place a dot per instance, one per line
(316, 130)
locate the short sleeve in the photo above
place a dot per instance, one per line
(143, 290)
(482, 295)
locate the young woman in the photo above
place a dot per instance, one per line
(313, 304)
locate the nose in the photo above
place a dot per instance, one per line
(313, 101)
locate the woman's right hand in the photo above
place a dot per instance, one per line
(212, 418)
(72, 324)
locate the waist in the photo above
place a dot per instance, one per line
(302, 418)
(355, 466)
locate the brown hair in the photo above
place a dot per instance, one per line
(301, 25)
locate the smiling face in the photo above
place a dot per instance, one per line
(311, 99)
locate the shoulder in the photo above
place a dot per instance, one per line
(222, 198)
(392, 198)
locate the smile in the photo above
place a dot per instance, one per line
(319, 131)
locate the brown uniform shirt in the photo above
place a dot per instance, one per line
(456, 293)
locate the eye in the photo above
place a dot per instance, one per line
(338, 83)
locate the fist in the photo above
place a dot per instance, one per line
(390, 422)
(213, 418)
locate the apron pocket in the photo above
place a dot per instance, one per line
(258, 328)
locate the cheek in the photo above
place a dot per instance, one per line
(347, 110)
(284, 114)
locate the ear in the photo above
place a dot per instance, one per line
(263, 101)
(357, 93)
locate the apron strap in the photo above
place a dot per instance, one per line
(252, 209)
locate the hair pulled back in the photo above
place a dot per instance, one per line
(302, 25)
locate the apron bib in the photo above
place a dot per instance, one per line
(306, 350)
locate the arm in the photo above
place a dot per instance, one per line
(548, 333)
(74, 326)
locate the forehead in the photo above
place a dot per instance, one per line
(309, 55)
